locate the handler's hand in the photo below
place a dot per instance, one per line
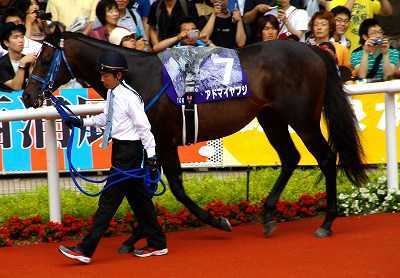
(152, 163)
(73, 122)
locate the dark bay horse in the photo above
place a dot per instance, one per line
(291, 84)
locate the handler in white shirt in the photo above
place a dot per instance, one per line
(129, 121)
(126, 123)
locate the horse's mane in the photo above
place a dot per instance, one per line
(104, 44)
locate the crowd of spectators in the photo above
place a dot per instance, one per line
(345, 28)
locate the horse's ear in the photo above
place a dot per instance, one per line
(57, 33)
(54, 34)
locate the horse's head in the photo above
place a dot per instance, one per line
(50, 71)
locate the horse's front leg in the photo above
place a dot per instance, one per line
(173, 171)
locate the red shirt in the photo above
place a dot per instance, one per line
(100, 33)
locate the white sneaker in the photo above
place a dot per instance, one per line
(149, 251)
(74, 253)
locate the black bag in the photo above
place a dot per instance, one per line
(373, 71)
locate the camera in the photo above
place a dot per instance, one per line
(193, 34)
(377, 41)
(43, 15)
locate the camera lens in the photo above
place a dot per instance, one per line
(377, 41)
(43, 15)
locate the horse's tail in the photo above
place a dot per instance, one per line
(341, 123)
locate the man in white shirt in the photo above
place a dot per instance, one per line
(126, 123)
(67, 12)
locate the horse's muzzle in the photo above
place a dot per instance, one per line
(29, 101)
(26, 99)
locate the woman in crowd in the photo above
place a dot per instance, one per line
(322, 28)
(267, 28)
(35, 22)
(108, 15)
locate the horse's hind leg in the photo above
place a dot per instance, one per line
(318, 146)
(277, 132)
(173, 172)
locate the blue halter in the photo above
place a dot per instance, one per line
(117, 175)
(48, 82)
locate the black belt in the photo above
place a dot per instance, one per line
(126, 154)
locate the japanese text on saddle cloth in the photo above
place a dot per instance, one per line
(201, 75)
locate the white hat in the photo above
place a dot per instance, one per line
(117, 34)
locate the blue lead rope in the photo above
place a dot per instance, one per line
(66, 113)
(117, 175)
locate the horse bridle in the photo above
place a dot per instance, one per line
(47, 88)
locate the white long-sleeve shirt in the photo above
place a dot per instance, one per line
(129, 121)
(298, 18)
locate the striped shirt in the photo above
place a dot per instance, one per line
(357, 55)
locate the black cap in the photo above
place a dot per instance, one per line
(7, 29)
(112, 61)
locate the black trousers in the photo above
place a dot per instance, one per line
(125, 155)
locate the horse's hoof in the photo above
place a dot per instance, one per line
(269, 228)
(322, 232)
(125, 249)
(224, 224)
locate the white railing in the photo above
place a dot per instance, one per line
(389, 88)
(50, 114)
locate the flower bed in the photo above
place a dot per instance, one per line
(372, 198)
(16, 230)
